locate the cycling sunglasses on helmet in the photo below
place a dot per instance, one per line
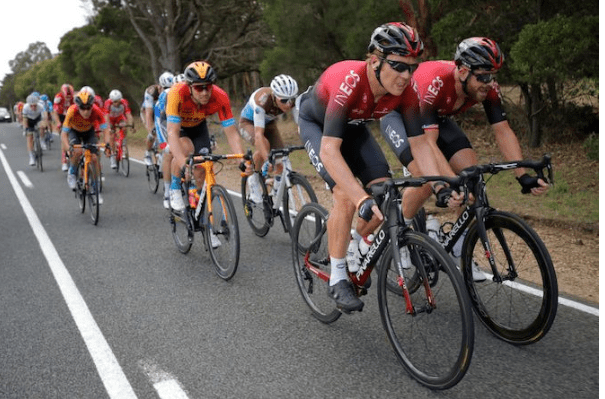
(202, 87)
(400, 66)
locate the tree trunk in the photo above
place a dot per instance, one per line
(535, 112)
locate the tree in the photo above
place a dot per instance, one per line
(35, 53)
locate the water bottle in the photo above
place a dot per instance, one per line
(265, 169)
(194, 197)
(276, 183)
(432, 227)
(364, 246)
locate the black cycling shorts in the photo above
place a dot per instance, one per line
(199, 135)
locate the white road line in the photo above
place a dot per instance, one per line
(3, 146)
(26, 182)
(111, 373)
(164, 383)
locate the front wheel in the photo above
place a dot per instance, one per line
(299, 193)
(521, 308)
(258, 214)
(181, 225)
(124, 163)
(222, 233)
(310, 252)
(430, 329)
(153, 178)
(80, 187)
(38, 152)
(92, 194)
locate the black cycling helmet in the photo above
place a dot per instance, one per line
(200, 72)
(396, 38)
(479, 53)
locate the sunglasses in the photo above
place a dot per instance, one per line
(85, 107)
(400, 67)
(201, 88)
(485, 77)
(286, 100)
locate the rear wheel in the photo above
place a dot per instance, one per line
(433, 341)
(258, 214)
(153, 174)
(80, 187)
(181, 224)
(310, 249)
(522, 307)
(296, 196)
(38, 152)
(222, 233)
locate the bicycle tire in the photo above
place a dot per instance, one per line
(309, 226)
(225, 228)
(181, 225)
(434, 345)
(514, 315)
(47, 140)
(299, 193)
(124, 163)
(259, 216)
(80, 187)
(153, 178)
(38, 152)
(92, 195)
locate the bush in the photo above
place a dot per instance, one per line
(591, 145)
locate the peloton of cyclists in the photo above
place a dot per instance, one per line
(258, 126)
(117, 112)
(152, 93)
(447, 88)
(79, 128)
(33, 117)
(189, 104)
(62, 101)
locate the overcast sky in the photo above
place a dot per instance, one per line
(29, 21)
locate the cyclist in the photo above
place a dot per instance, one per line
(447, 88)
(189, 104)
(152, 93)
(18, 110)
(63, 100)
(118, 111)
(332, 116)
(48, 108)
(33, 116)
(258, 126)
(159, 111)
(79, 128)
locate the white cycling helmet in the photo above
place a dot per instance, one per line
(284, 86)
(166, 80)
(33, 98)
(179, 78)
(115, 95)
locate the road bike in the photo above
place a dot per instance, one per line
(208, 210)
(88, 181)
(122, 158)
(154, 171)
(37, 148)
(290, 192)
(430, 325)
(518, 301)
(48, 137)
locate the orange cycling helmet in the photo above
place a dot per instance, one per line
(200, 72)
(84, 97)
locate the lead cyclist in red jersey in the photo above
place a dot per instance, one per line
(117, 110)
(189, 104)
(332, 116)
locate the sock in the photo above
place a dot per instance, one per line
(72, 170)
(407, 221)
(338, 270)
(166, 187)
(175, 183)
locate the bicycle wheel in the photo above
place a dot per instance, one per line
(310, 244)
(92, 194)
(80, 187)
(296, 196)
(153, 174)
(124, 164)
(38, 152)
(258, 215)
(435, 344)
(47, 139)
(222, 233)
(181, 224)
(520, 309)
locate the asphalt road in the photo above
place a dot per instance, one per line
(116, 311)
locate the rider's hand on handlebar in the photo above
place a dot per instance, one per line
(532, 184)
(368, 208)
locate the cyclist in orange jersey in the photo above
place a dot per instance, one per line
(79, 128)
(189, 104)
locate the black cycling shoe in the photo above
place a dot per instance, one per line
(342, 292)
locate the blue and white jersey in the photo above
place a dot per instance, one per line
(261, 108)
(159, 116)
